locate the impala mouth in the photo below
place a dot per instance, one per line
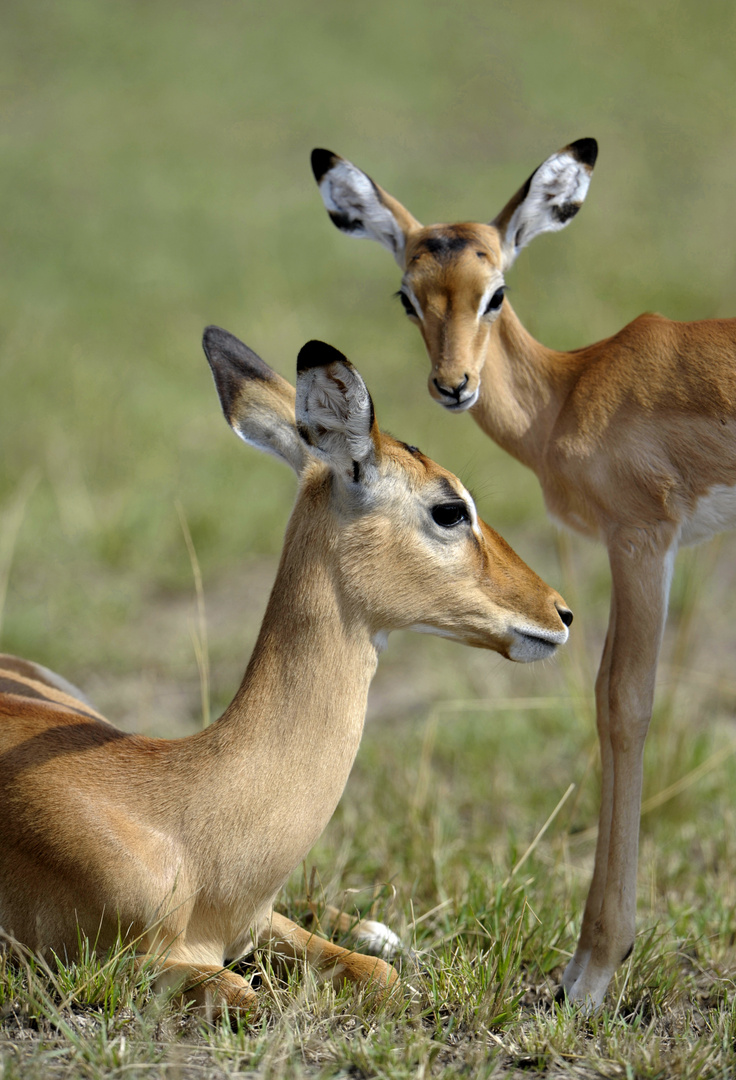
(527, 647)
(463, 404)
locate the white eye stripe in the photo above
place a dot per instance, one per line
(484, 300)
(408, 291)
(473, 513)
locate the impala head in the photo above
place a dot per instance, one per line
(454, 275)
(400, 536)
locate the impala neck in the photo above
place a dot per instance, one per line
(267, 776)
(523, 388)
(297, 718)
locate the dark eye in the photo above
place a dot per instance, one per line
(449, 514)
(408, 306)
(495, 302)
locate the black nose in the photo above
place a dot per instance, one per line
(565, 614)
(453, 393)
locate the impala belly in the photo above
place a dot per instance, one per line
(714, 512)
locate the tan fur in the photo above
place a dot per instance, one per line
(181, 845)
(633, 440)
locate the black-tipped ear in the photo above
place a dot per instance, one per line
(217, 342)
(318, 354)
(585, 150)
(322, 162)
(549, 199)
(334, 412)
(258, 404)
(358, 206)
(231, 362)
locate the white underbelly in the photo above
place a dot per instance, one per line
(714, 512)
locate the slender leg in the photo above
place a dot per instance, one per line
(597, 886)
(292, 943)
(641, 569)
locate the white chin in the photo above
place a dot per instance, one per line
(525, 648)
(461, 406)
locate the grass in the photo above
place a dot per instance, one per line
(154, 178)
(489, 949)
(469, 848)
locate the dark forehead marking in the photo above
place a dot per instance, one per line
(413, 450)
(444, 245)
(446, 241)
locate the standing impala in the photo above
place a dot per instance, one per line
(633, 440)
(183, 844)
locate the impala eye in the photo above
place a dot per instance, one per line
(495, 302)
(450, 514)
(408, 306)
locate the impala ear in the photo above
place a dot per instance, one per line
(550, 198)
(257, 403)
(334, 412)
(359, 207)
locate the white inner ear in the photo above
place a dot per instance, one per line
(333, 403)
(349, 192)
(272, 434)
(558, 188)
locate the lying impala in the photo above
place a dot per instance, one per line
(183, 844)
(633, 440)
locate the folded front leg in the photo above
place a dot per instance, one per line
(208, 987)
(374, 938)
(292, 943)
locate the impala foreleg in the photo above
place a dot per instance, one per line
(374, 938)
(292, 943)
(577, 964)
(641, 569)
(209, 988)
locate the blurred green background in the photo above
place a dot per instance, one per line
(154, 177)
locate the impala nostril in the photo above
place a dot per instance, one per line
(452, 393)
(443, 389)
(565, 614)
